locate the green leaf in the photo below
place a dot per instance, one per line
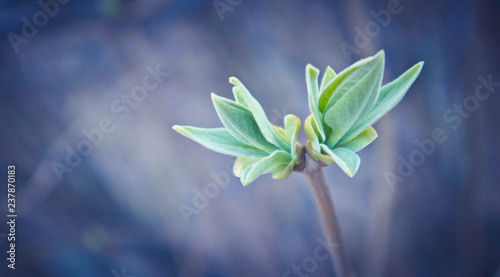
(237, 96)
(311, 134)
(244, 175)
(313, 146)
(347, 160)
(390, 95)
(356, 91)
(240, 123)
(219, 140)
(283, 174)
(280, 132)
(360, 141)
(292, 127)
(243, 163)
(277, 161)
(313, 95)
(326, 159)
(376, 89)
(331, 88)
(327, 78)
(259, 115)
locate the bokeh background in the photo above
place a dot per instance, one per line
(117, 213)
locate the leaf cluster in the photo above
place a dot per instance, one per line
(343, 109)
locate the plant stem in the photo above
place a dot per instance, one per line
(321, 192)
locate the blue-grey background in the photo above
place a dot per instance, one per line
(117, 212)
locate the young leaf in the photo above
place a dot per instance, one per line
(327, 78)
(311, 134)
(283, 174)
(347, 160)
(343, 87)
(292, 127)
(280, 132)
(219, 140)
(376, 91)
(313, 95)
(356, 90)
(240, 123)
(277, 161)
(326, 159)
(331, 87)
(244, 175)
(237, 96)
(360, 141)
(243, 163)
(259, 115)
(390, 95)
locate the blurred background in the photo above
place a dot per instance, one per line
(104, 186)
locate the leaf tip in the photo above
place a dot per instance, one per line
(291, 117)
(216, 100)
(181, 130)
(233, 80)
(379, 57)
(214, 96)
(312, 68)
(416, 69)
(420, 65)
(380, 54)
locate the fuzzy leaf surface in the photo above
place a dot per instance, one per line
(240, 123)
(312, 74)
(360, 141)
(390, 95)
(219, 140)
(356, 91)
(347, 160)
(277, 161)
(259, 115)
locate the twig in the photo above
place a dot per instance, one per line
(316, 179)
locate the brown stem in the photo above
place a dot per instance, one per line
(321, 192)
